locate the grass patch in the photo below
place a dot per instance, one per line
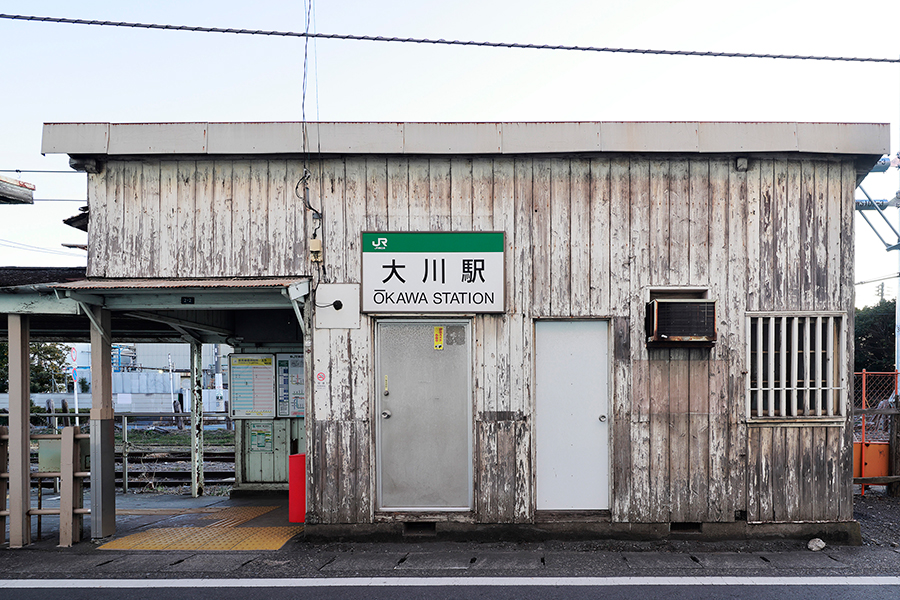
(175, 437)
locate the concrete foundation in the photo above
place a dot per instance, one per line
(846, 533)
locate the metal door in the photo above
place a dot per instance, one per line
(571, 415)
(424, 415)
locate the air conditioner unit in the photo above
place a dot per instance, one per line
(681, 323)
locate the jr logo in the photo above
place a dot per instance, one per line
(380, 244)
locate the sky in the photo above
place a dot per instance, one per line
(76, 73)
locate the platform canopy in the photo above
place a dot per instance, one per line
(13, 191)
(151, 310)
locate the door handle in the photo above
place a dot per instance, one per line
(385, 414)
(603, 418)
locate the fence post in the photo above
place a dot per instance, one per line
(862, 446)
(894, 446)
(197, 482)
(124, 454)
(67, 468)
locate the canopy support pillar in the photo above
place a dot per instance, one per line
(103, 449)
(19, 431)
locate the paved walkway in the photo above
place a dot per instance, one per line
(169, 536)
(178, 522)
(228, 530)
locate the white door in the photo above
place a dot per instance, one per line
(571, 414)
(424, 419)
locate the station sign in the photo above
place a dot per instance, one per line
(433, 272)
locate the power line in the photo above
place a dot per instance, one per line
(442, 42)
(885, 278)
(29, 248)
(61, 200)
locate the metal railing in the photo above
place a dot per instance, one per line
(876, 419)
(69, 480)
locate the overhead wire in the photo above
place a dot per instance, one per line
(29, 248)
(443, 42)
(307, 35)
(307, 174)
(885, 278)
(82, 200)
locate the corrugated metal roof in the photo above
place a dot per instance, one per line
(16, 276)
(162, 284)
(139, 139)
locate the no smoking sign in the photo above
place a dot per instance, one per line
(320, 381)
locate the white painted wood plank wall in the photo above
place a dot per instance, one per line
(587, 236)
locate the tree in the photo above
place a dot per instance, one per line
(48, 365)
(874, 348)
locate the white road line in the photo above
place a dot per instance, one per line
(446, 582)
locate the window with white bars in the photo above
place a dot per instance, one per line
(796, 366)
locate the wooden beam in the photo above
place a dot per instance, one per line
(37, 303)
(70, 496)
(257, 299)
(888, 479)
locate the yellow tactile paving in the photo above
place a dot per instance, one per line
(237, 515)
(168, 511)
(266, 538)
(223, 534)
(151, 539)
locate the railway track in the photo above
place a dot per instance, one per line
(171, 467)
(152, 455)
(144, 479)
(168, 467)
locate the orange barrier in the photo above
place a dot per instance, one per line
(871, 459)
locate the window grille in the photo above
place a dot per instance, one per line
(795, 366)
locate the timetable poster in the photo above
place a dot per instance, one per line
(290, 385)
(252, 385)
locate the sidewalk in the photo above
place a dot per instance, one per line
(241, 519)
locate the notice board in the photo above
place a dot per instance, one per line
(261, 435)
(252, 386)
(290, 385)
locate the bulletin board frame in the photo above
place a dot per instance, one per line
(251, 386)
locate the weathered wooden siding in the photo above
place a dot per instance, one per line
(586, 236)
(208, 218)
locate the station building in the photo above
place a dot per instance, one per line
(591, 328)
